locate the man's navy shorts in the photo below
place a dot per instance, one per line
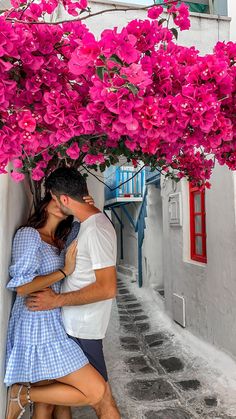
(93, 349)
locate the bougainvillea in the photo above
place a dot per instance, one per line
(65, 95)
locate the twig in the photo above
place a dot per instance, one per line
(118, 9)
(26, 7)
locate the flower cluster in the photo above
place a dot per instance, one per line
(65, 95)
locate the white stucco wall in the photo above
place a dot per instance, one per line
(130, 243)
(14, 209)
(209, 289)
(232, 14)
(152, 250)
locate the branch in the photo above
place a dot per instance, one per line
(115, 8)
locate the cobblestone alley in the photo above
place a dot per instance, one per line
(158, 370)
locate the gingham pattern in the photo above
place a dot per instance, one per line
(38, 347)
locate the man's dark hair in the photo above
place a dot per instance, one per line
(67, 181)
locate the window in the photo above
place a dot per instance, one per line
(197, 224)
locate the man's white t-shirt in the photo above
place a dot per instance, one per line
(97, 249)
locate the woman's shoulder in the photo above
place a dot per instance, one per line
(28, 233)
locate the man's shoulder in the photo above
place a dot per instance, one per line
(104, 223)
(100, 224)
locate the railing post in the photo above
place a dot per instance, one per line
(140, 260)
(121, 233)
(211, 7)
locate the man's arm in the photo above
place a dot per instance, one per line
(103, 288)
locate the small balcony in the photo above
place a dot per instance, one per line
(125, 184)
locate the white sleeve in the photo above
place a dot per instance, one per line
(102, 247)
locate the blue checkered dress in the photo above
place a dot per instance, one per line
(38, 347)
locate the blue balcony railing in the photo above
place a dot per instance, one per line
(115, 178)
(152, 177)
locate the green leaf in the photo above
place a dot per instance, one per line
(115, 69)
(102, 57)
(175, 33)
(161, 21)
(100, 71)
(102, 167)
(116, 59)
(134, 89)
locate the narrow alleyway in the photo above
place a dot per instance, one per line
(159, 371)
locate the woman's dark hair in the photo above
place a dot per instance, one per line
(39, 217)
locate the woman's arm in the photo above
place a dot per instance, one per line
(39, 283)
(43, 281)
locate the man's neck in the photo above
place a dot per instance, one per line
(84, 211)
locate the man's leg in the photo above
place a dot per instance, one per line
(62, 412)
(93, 349)
(42, 410)
(107, 408)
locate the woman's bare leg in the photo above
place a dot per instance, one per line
(83, 387)
(62, 412)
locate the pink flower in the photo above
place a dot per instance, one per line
(17, 163)
(73, 151)
(17, 177)
(92, 159)
(37, 173)
(181, 18)
(17, 3)
(27, 122)
(136, 75)
(154, 12)
(85, 148)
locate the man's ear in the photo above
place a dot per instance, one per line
(65, 200)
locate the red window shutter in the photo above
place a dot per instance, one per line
(197, 224)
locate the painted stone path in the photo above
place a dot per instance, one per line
(152, 375)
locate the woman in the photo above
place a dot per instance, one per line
(38, 347)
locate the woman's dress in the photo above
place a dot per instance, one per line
(38, 347)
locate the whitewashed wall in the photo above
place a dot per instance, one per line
(232, 14)
(13, 211)
(209, 289)
(152, 250)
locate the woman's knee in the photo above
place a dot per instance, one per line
(97, 393)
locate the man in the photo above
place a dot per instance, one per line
(86, 296)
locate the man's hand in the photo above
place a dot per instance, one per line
(46, 299)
